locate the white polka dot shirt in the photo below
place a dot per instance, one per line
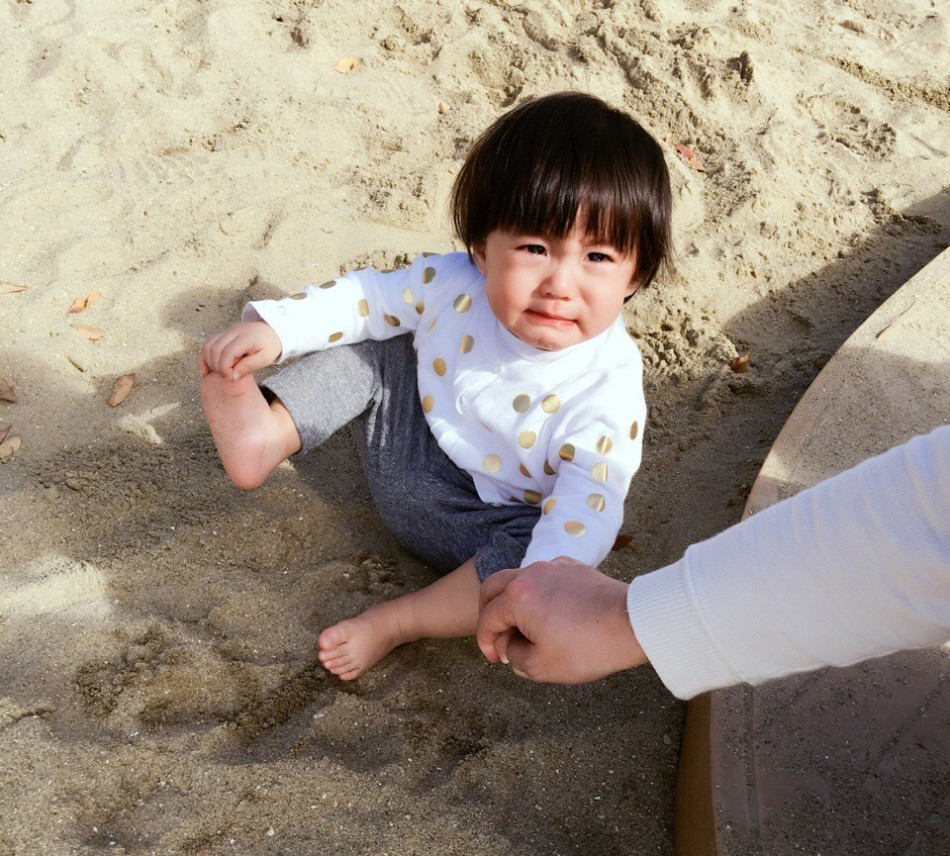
(559, 429)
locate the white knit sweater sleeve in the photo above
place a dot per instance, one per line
(363, 304)
(855, 567)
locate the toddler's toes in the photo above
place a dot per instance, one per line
(328, 656)
(330, 641)
(349, 648)
(340, 668)
(334, 664)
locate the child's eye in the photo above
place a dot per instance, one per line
(599, 257)
(534, 249)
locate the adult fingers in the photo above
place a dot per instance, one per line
(494, 586)
(520, 654)
(501, 644)
(495, 619)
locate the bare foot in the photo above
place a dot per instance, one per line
(349, 648)
(252, 437)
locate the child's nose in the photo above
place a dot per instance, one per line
(557, 283)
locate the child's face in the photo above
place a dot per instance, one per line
(554, 292)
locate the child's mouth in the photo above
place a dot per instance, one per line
(548, 320)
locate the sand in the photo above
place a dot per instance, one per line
(158, 687)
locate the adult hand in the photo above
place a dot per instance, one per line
(560, 622)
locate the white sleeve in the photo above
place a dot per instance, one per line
(364, 304)
(596, 450)
(855, 567)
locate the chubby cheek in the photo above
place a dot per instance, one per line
(505, 302)
(497, 302)
(600, 314)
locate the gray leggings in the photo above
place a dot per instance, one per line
(428, 503)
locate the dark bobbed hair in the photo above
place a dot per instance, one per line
(545, 164)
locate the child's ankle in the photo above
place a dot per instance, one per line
(399, 617)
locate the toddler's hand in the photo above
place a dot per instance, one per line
(240, 350)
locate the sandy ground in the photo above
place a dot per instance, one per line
(158, 687)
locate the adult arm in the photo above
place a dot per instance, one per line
(856, 567)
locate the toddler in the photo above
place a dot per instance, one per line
(496, 395)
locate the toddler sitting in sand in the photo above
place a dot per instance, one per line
(506, 427)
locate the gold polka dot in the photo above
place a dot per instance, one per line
(521, 403)
(547, 469)
(329, 284)
(596, 502)
(634, 430)
(407, 297)
(432, 325)
(566, 452)
(300, 295)
(599, 472)
(335, 337)
(462, 303)
(438, 364)
(549, 504)
(575, 528)
(532, 497)
(523, 470)
(550, 403)
(428, 275)
(604, 445)
(363, 307)
(526, 439)
(467, 344)
(427, 404)
(420, 307)
(392, 320)
(491, 463)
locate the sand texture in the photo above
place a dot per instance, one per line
(159, 692)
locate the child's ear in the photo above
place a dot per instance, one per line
(478, 251)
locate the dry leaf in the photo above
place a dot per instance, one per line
(82, 303)
(121, 389)
(740, 365)
(6, 391)
(10, 445)
(621, 542)
(87, 332)
(10, 288)
(689, 156)
(346, 64)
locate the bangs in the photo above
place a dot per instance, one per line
(563, 161)
(557, 201)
